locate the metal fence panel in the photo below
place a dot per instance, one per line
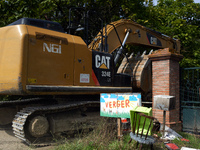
(190, 99)
(191, 120)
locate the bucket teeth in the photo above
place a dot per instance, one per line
(143, 53)
(151, 52)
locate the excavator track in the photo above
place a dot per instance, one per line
(20, 121)
(14, 102)
(8, 109)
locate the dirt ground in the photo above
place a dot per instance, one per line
(9, 142)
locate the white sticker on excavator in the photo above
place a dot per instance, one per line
(154, 40)
(52, 48)
(84, 78)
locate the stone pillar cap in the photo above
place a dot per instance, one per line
(166, 53)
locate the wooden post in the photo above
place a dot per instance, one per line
(119, 128)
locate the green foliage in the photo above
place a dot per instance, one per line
(177, 18)
(58, 10)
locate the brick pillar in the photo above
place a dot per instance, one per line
(165, 81)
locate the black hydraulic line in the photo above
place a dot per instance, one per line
(119, 52)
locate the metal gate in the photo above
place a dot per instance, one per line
(190, 99)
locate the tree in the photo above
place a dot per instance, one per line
(99, 11)
(179, 19)
(176, 18)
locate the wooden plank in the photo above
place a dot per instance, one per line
(119, 131)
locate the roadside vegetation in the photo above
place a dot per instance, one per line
(104, 137)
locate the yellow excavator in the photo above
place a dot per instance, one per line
(60, 77)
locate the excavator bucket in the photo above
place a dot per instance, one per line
(139, 67)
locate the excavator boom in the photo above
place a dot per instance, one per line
(139, 35)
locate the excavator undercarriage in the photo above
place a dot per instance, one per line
(32, 124)
(39, 121)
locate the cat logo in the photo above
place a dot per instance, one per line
(102, 62)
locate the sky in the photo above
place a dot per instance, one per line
(196, 1)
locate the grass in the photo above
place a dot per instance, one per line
(104, 138)
(194, 140)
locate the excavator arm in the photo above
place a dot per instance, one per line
(114, 34)
(117, 34)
